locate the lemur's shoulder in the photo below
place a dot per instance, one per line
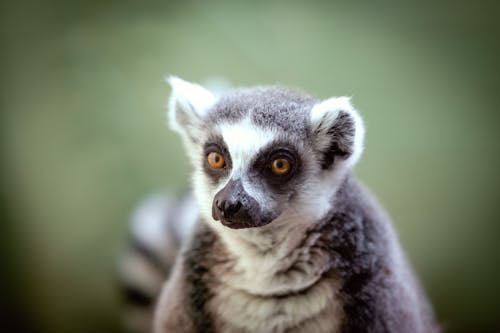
(381, 290)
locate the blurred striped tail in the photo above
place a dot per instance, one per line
(158, 228)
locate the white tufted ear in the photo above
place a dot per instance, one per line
(188, 104)
(337, 130)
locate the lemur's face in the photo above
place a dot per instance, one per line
(264, 154)
(251, 173)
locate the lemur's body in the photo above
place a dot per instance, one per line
(287, 240)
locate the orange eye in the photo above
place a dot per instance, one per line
(215, 160)
(280, 166)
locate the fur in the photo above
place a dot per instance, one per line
(309, 252)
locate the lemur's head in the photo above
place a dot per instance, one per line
(265, 154)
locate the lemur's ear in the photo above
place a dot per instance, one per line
(188, 104)
(337, 131)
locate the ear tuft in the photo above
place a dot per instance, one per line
(188, 104)
(337, 131)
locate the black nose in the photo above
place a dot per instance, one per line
(228, 208)
(235, 209)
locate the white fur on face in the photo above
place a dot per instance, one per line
(243, 140)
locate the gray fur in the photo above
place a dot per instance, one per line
(268, 106)
(334, 265)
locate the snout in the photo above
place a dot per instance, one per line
(235, 208)
(227, 208)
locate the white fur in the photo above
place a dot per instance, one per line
(188, 104)
(185, 92)
(316, 310)
(328, 111)
(244, 140)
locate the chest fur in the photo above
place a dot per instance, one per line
(289, 290)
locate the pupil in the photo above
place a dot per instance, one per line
(279, 164)
(216, 158)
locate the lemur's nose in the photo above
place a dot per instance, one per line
(228, 204)
(228, 208)
(235, 208)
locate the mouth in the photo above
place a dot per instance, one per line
(243, 223)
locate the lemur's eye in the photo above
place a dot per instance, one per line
(216, 160)
(280, 166)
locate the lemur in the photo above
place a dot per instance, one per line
(280, 236)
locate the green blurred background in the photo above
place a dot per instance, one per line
(83, 135)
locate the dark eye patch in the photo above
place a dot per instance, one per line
(262, 167)
(216, 144)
